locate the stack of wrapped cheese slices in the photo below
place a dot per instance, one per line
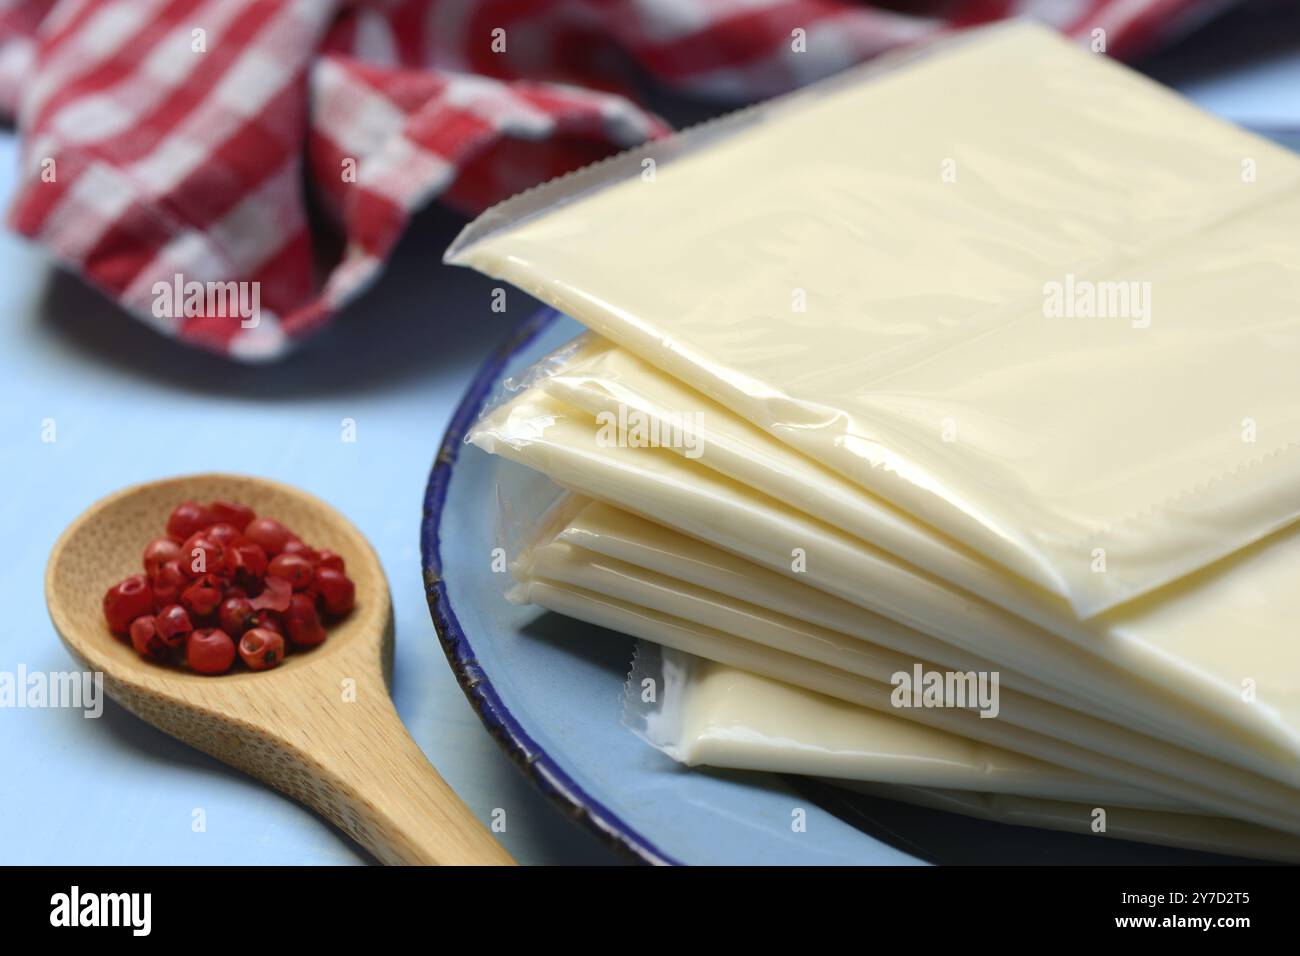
(942, 424)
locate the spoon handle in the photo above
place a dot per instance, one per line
(345, 753)
(331, 739)
(378, 786)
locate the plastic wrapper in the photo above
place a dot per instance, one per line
(745, 655)
(672, 490)
(1175, 635)
(1067, 340)
(802, 652)
(1189, 832)
(706, 714)
(702, 713)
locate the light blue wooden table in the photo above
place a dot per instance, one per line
(129, 406)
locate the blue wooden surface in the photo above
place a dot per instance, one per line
(129, 406)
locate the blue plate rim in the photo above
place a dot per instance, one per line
(540, 768)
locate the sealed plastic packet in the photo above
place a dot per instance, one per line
(705, 714)
(1014, 331)
(563, 443)
(1246, 595)
(612, 593)
(978, 373)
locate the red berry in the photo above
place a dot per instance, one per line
(269, 533)
(261, 649)
(169, 584)
(224, 534)
(236, 616)
(146, 640)
(294, 568)
(300, 548)
(220, 563)
(202, 597)
(271, 621)
(336, 590)
(304, 624)
(328, 559)
(127, 600)
(188, 518)
(173, 624)
(157, 553)
(210, 651)
(232, 513)
(201, 555)
(275, 596)
(246, 561)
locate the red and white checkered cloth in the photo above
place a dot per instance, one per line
(166, 138)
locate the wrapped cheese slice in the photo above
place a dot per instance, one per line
(1256, 837)
(1073, 731)
(1206, 834)
(1175, 636)
(564, 444)
(1208, 794)
(1015, 289)
(707, 714)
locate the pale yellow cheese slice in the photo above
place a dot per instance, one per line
(1200, 715)
(871, 271)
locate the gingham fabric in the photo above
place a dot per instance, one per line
(186, 138)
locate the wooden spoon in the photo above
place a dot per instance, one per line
(321, 727)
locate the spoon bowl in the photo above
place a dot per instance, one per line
(321, 727)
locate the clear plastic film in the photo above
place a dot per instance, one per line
(1201, 712)
(530, 509)
(701, 713)
(656, 700)
(1176, 632)
(1056, 732)
(575, 458)
(1186, 831)
(1210, 795)
(1058, 320)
